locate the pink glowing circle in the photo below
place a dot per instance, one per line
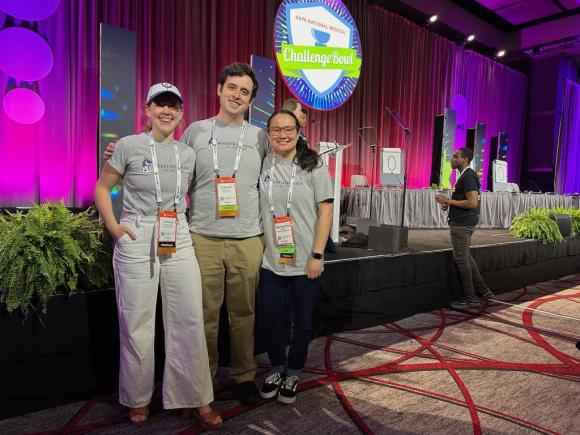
(23, 106)
(29, 10)
(24, 55)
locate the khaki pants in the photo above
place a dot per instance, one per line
(230, 268)
(138, 274)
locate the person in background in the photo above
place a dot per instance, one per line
(152, 248)
(296, 198)
(294, 106)
(463, 217)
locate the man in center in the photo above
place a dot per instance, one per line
(225, 224)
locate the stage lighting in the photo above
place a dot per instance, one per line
(470, 37)
(500, 53)
(433, 18)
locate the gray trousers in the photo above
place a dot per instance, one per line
(469, 275)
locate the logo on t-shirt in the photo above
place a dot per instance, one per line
(267, 178)
(147, 166)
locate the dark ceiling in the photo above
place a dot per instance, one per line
(512, 15)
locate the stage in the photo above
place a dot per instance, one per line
(362, 288)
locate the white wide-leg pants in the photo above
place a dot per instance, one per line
(138, 272)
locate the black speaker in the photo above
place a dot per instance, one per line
(502, 150)
(388, 238)
(564, 222)
(498, 151)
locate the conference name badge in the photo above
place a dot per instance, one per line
(166, 232)
(227, 197)
(284, 236)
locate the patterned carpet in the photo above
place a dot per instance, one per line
(510, 367)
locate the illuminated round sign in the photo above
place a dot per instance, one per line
(318, 51)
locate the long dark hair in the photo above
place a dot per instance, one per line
(305, 157)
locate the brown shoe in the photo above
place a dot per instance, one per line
(139, 416)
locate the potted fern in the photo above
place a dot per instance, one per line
(536, 224)
(58, 325)
(48, 251)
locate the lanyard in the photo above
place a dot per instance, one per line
(158, 196)
(213, 146)
(290, 189)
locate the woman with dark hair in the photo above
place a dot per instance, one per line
(296, 198)
(152, 249)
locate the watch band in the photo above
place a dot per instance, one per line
(316, 255)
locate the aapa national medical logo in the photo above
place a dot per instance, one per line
(318, 51)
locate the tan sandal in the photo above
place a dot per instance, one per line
(209, 421)
(139, 416)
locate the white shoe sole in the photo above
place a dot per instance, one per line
(270, 394)
(287, 400)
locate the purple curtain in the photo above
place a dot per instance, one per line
(405, 66)
(567, 178)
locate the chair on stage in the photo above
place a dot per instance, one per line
(358, 180)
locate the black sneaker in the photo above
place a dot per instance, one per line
(486, 294)
(287, 393)
(247, 392)
(462, 304)
(271, 385)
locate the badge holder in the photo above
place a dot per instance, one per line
(284, 235)
(227, 197)
(166, 232)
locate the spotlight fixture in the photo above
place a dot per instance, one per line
(433, 18)
(470, 37)
(500, 53)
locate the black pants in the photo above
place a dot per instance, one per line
(273, 289)
(471, 279)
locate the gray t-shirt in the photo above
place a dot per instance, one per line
(204, 219)
(310, 188)
(132, 159)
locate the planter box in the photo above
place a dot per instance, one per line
(73, 356)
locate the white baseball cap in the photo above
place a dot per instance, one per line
(161, 88)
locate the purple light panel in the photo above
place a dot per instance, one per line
(23, 106)
(24, 55)
(459, 104)
(29, 10)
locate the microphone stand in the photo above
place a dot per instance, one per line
(369, 136)
(407, 132)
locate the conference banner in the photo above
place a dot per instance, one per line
(318, 51)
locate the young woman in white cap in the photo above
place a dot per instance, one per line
(152, 247)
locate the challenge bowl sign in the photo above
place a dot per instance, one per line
(318, 51)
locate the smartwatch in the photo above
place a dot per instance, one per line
(316, 255)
